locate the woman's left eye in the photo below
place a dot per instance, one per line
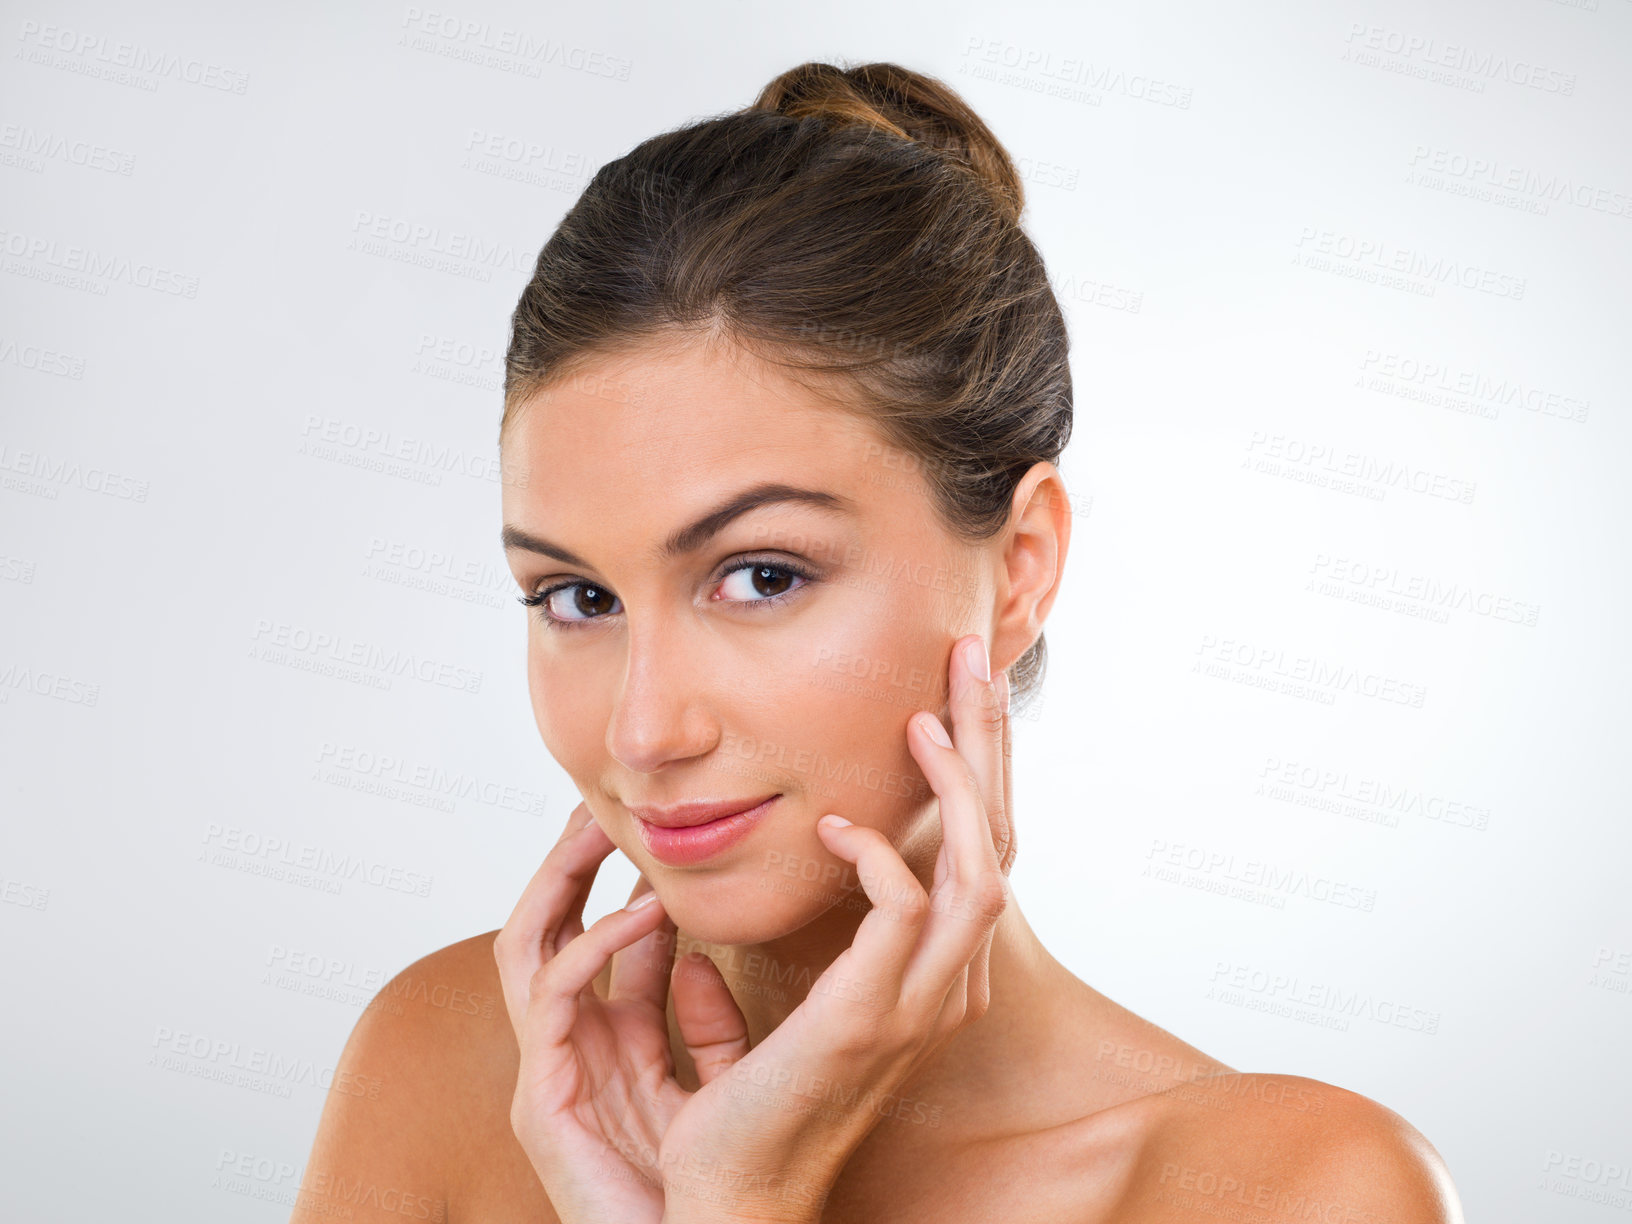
(759, 574)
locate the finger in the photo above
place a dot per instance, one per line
(589, 839)
(972, 892)
(979, 723)
(1006, 850)
(712, 1026)
(641, 971)
(955, 1007)
(549, 913)
(883, 945)
(556, 989)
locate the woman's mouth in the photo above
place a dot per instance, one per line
(679, 847)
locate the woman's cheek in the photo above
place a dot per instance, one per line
(863, 693)
(557, 718)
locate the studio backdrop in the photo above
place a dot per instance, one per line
(1327, 774)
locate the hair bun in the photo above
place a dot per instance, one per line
(905, 103)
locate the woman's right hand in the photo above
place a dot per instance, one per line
(596, 1087)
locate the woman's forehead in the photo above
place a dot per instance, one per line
(689, 411)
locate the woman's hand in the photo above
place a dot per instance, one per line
(755, 1142)
(596, 1087)
(611, 1133)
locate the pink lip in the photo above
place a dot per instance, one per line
(698, 811)
(695, 842)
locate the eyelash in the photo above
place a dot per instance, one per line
(540, 599)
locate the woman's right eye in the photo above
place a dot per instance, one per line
(551, 612)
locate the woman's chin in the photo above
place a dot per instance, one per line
(754, 916)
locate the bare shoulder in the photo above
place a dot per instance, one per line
(420, 1098)
(1283, 1146)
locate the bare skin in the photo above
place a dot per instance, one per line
(1058, 1104)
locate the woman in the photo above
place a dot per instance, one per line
(783, 402)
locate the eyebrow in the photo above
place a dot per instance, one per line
(690, 538)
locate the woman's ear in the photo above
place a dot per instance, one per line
(1030, 562)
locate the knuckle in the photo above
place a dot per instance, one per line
(877, 1029)
(911, 904)
(990, 712)
(520, 1116)
(538, 985)
(976, 1008)
(992, 893)
(862, 1045)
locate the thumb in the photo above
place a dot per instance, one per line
(710, 1022)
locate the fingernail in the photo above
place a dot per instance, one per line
(838, 822)
(640, 902)
(975, 653)
(1006, 687)
(932, 727)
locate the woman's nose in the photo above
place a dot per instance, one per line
(660, 713)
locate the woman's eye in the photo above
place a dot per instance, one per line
(759, 575)
(572, 604)
(582, 602)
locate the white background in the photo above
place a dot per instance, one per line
(196, 295)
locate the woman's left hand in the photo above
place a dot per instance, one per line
(755, 1142)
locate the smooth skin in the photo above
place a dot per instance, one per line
(613, 1134)
(678, 679)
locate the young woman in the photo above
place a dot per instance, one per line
(783, 403)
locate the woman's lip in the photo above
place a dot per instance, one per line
(681, 847)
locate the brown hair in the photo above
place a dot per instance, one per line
(861, 223)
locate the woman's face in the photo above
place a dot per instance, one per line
(662, 678)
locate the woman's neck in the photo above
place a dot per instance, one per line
(970, 1080)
